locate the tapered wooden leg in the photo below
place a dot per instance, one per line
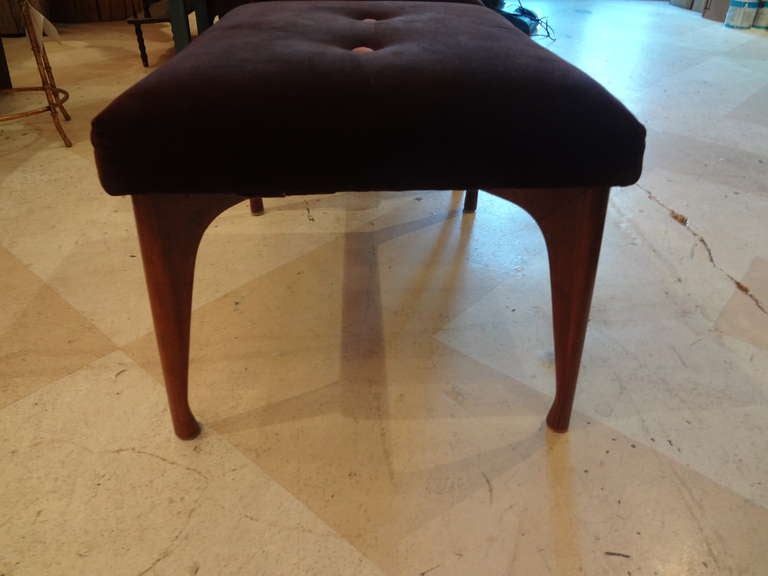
(572, 223)
(142, 44)
(257, 205)
(470, 200)
(170, 227)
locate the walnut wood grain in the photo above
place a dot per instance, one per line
(170, 228)
(571, 221)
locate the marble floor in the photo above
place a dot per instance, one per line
(372, 371)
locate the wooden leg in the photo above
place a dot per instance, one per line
(202, 18)
(142, 44)
(572, 223)
(179, 24)
(257, 205)
(470, 200)
(170, 228)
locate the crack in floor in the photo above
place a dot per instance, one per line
(683, 221)
(309, 212)
(157, 457)
(170, 548)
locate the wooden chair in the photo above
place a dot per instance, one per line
(54, 95)
(161, 15)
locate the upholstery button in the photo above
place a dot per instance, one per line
(362, 49)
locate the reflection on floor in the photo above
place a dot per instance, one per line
(372, 371)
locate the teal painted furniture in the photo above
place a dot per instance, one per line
(180, 25)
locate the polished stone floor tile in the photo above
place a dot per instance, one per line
(94, 483)
(42, 338)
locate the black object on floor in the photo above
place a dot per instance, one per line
(527, 21)
(523, 19)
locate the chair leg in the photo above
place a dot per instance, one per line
(202, 17)
(470, 200)
(179, 24)
(257, 205)
(571, 221)
(50, 81)
(170, 228)
(46, 76)
(142, 45)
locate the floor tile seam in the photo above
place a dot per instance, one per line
(40, 285)
(83, 317)
(729, 340)
(397, 334)
(613, 424)
(677, 457)
(41, 389)
(500, 287)
(45, 285)
(690, 181)
(762, 405)
(706, 531)
(307, 508)
(712, 134)
(402, 218)
(198, 307)
(670, 460)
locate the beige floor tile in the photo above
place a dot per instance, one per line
(97, 485)
(591, 502)
(648, 366)
(696, 162)
(39, 224)
(104, 267)
(751, 109)
(42, 338)
(712, 210)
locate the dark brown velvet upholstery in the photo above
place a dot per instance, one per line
(221, 7)
(272, 100)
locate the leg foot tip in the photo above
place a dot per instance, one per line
(558, 423)
(188, 431)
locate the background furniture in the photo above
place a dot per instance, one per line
(11, 21)
(178, 11)
(5, 74)
(154, 12)
(90, 10)
(54, 95)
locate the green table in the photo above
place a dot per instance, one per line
(180, 24)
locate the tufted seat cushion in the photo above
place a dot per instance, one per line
(221, 7)
(274, 99)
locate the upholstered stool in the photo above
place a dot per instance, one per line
(299, 97)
